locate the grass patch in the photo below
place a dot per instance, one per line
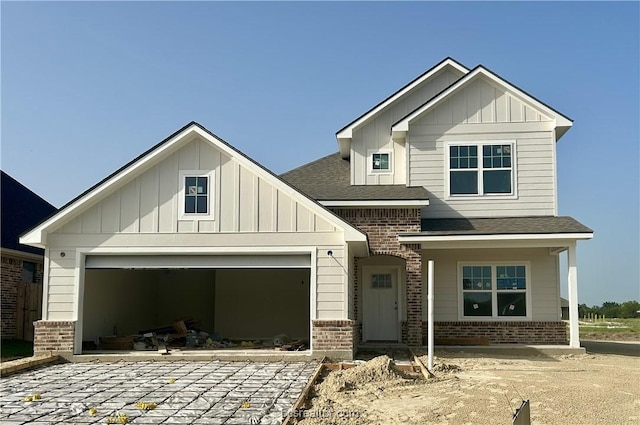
(609, 326)
(15, 348)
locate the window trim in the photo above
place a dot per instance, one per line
(210, 174)
(480, 169)
(494, 291)
(370, 154)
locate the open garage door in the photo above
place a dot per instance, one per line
(239, 298)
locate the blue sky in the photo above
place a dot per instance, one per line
(87, 86)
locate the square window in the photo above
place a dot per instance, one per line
(463, 182)
(497, 181)
(381, 162)
(512, 304)
(477, 303)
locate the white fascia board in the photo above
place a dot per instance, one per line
(347, 133)
(344, 146)
(351, 234)
(374, 203)
(37, 236)
(417, 238)
(403, 125)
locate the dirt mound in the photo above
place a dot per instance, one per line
(446, 368)
(376, 370)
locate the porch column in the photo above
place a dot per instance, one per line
(574, 330)
(414, 295)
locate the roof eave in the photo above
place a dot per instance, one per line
(422, 237)
(375, 203)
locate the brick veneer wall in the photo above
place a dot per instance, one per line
(334, 335)
(503, 332)
(382, 226)
(53, 336)
(10, 277)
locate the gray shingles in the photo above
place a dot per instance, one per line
(327, 179)
(502, 225)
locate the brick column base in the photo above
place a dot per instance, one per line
(53, 336)
(334, 338)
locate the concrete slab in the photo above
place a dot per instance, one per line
(218, 391)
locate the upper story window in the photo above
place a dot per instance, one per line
(195, 193)
(481, 169)
(380, 162)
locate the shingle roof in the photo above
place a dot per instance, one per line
(502, 225)
(21, 210)
(327, 179)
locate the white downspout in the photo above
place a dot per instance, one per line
(430, 316)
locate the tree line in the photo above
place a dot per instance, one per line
(626, 310)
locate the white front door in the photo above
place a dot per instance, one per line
(380, 304)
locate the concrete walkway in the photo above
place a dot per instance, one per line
(215, 392)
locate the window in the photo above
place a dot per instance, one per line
(381, 281)
(380, 162)
(28, 272)
(494, 291)
(481, 169)
(195, 193)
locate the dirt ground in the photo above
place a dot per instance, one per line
(468, 389)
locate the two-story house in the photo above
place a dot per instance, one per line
(457, 167)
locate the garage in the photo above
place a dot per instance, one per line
(232, 298)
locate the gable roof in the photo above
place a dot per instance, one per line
(345, 133)
(563, 123)
(37, 236)
(21, 210)
(327, 180)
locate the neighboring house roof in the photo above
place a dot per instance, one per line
(327, 180)
(502, 226)
(564, 303)
(138, 165)
(562, 122)
(21, 210)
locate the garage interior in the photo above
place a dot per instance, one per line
(253, 303)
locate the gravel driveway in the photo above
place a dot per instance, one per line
(215, 392)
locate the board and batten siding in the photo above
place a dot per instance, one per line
(375, 133)
(544, 272)
(482, 112)
(242, 201)
(249, 211)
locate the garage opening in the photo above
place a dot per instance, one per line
(224, 302)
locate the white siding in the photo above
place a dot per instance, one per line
(242, 201)
(375, 133)
(545, 287)
(482, 112)
(331, 272)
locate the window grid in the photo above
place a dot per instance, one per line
(494, 291)
(379, 281)
(490, 176)
(196, 195)
(380, 162)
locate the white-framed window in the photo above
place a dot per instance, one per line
(196, 194)
(481, 168)
(380, 162)
(498, 290)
